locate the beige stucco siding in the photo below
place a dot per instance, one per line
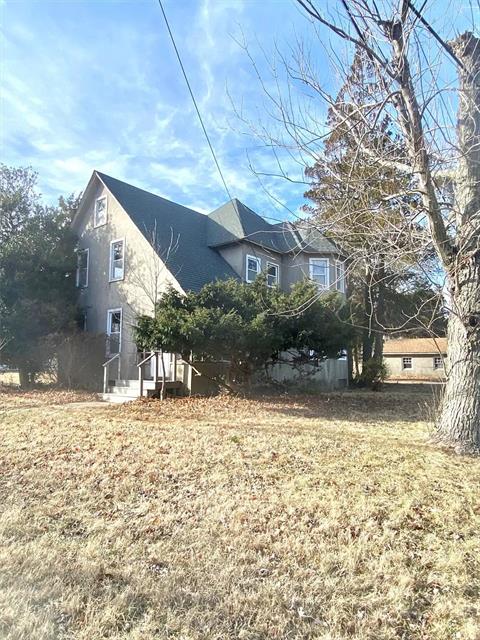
(145, 275)
(236, 256)
(293, 267)
(297, 267)
(422, 367)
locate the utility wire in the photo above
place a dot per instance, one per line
(442, 42)
(193, 99)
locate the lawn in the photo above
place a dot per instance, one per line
(327, 517)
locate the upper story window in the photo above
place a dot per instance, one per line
(438, 362)
(272, 274)
(340, 276)
(319, 272)
(253, 268)
(407, 363)
(117, 260)
(100, 215)
(82, 268)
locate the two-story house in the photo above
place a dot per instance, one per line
(133, 244)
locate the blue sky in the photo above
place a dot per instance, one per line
(94, 84)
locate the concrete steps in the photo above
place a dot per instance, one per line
(128, 390)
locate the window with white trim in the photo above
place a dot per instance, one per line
(340, 276)
(114, 331)
(82, 268)
(272, 274)
(100, 214)
(438, 362)
(117, 260)
(319, 272)
(407, 363)
(253, 268)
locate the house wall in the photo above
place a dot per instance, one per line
(293, 268)
(329, 375)
(297, 267)
(144, 274)
(236, 256)
(422, 367)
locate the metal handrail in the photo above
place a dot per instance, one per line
(105, 366)
(147, 359)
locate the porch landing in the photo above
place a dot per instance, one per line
(128, 390)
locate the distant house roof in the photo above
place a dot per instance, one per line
(194, 260)
(191, 261)
(415, 346)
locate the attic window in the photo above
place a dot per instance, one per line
(252, 268)
(100, 216)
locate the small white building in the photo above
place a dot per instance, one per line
(416, 358)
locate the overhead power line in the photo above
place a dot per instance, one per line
(432, 31)
(193, 99)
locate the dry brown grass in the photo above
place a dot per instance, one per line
(324, 518)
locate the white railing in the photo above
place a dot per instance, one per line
(106, 369)
(155, 355)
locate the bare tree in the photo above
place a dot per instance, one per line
(397, 121)
(151, 277)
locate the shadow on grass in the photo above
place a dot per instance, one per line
(357, 406)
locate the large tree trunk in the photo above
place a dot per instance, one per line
(379, 316)
(459, 422)
(367, 335)
(24, 376)
(164, 386)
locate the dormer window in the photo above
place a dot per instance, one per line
(100, 215)
(319, 272)
(253, 268)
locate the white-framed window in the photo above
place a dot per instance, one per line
(83, 256)
(117, 260)
(272, 274)
(340, 276)
(253, 267)
(407, 363)
(114, 331)
(438, 362)
(319, 272)
(100, 214)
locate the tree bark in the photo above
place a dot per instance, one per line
(367, 337)
(459, 423)
(379, 316)
(24, 376)
(163, 387)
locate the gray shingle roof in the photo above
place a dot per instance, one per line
(234, 221)
(193, 262)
